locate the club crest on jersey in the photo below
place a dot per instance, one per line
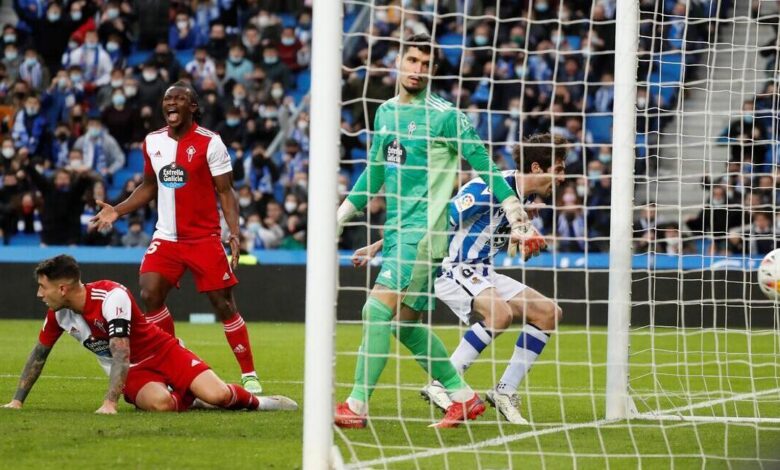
(190, 153)
(411, 128)
(99, 325)
(395, 153)
(172, 176)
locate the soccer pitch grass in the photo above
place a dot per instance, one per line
(57, 427)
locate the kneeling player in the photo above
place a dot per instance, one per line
(150, 366)
(482, 298)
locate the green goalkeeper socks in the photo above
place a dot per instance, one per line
(417, 338)
(374, 349)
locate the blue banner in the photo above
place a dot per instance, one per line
(591, 261)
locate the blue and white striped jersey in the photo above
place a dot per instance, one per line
(479, 227)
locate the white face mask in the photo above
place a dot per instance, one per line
(290, 206)
(149, 76)
(8, 152)
(277, 93)
(303, 125)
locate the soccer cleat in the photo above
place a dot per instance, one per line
(252, 384)
(435, 393)
(507, 405)
(276, 403)
(346, 418)
(460, 412)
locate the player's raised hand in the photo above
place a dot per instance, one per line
(235, 251)
(106, 217)
(108, 408)
(362, 256)
(13, 405)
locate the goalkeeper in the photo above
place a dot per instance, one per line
(418, 137)
(480, 297)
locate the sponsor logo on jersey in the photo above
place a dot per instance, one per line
(395, 153)
(97, 346)
(190, 153)
(172, 176)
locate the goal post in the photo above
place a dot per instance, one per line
(321, 260)
(622, 211)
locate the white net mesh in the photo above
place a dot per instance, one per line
(704, 341)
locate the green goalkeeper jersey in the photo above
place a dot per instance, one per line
(415, 154)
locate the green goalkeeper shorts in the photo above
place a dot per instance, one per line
(403, 268)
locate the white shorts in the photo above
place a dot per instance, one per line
(458, 286)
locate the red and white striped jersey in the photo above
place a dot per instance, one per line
(186, 197)
(106, 301)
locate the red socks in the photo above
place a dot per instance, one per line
(162, 318)
(240, 399)
(238, 338)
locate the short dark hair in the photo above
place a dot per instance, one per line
(194, 98)
(423, 42)
(543, 149)
(61, 267)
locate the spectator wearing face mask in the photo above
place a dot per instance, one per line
(266, 126)
(31, 130)
(94, 61)
(263, 174)
(117, 50)
(238, 68)
(50, 35)
(201, 68)
(275, 69)
(104, 93)
(61, 146)
(101, 151)
(296, 223)
(288, 48)
(33, 72)
(218, 43)
(181, 34)
(238, 99)
(12, 61)
(119, 119)
(166, 62)
(150, 88)
(10, 194)
(301, 131)
(571, 223)
(232, 132)
(152, 21)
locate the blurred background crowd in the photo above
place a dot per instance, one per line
(81, 83)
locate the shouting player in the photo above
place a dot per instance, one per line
(184, 165)
(480, 297)
(415, 155)
(150, 366)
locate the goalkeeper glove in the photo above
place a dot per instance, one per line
(522, 234)
(346, 212)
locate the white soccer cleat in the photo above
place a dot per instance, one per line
(435, 393)
(507, 405)
(276, 403)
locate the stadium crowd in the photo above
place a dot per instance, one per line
(81, 84)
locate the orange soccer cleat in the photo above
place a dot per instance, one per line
(459, 412)
(346, 418)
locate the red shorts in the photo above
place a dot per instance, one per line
(205, 258)
(175, 366)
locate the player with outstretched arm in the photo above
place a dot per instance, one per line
(143, 362)
(185, 164)
(418, 139)
(484, 300)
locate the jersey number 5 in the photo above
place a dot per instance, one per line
(152, 247)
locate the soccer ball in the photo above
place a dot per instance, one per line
(769, 275)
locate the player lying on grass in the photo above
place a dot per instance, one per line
(148, 365)
(480, 297)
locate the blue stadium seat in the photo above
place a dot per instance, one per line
(185, 56)
(599, 128)
(113, 193)
(574, 42)
(297, 95)
(303, 80)
(288, 20)
(451, 45)
(24, 239)
(121, 225)
(121, 177)
(135, 161)
(358, 153)
(138, 57)
(349, 19)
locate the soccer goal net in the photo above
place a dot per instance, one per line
(666, 353)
